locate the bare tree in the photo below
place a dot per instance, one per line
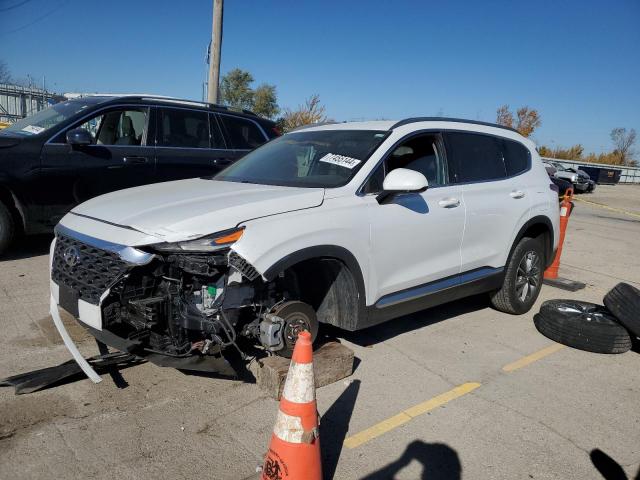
(311, 112)
(5, 75)
(525, 121)
(504, 116)
(623, 142)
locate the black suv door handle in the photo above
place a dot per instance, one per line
(223, 162)
(134, 160)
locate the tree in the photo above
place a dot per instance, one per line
(571, 153)
(311, 112)
(623, 142)
(5, 75)
(235, 89)
(525, 122)
(504, 116)
(265, 101)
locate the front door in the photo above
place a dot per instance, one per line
(416, 238)
(118, 158)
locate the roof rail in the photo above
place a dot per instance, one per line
(319, 124)
(407, 121)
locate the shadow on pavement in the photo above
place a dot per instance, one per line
(27, 247)
(334, 426)
(439, 461)
(608, 467)
(423, 318)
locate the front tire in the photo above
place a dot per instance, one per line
(7, 228)
(522, 279)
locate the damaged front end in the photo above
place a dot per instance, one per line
(195, 305)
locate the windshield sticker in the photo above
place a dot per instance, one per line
(33, 129)
(340, 160)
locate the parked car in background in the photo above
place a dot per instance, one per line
(350, 224)
(82, 148)
(579, 178)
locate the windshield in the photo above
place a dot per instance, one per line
(325, 158)
(45, 119)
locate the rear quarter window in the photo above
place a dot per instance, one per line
(517, 157)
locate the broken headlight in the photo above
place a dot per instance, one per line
(209, 243)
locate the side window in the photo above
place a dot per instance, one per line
(117, 127)
(475, 157)
(242, 133)
(516, 157)
(421, 153)
(183, 128)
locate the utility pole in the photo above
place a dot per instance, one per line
(214, 56)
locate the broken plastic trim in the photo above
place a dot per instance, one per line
(84, 365)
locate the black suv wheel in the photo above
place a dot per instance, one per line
(522, 279)
(7, 227)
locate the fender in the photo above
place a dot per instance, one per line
(327, 251)
(548, 248)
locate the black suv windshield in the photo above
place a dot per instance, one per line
(48, 118)
(324, 158)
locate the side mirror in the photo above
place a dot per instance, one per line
(401, 180)
(79, 137)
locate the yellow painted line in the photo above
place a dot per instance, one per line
(406, 415)
(534, 357)
(607, 207)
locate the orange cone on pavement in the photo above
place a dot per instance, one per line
(565, 211)
(294, 451)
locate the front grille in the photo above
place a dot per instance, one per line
(88, 271)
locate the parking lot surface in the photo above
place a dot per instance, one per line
(458, 391)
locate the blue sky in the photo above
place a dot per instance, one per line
(576, 61)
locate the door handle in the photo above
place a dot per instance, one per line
(517, 194)
(134, 160)
(449, 202)
(223, 162)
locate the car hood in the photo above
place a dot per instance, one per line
(192, 208)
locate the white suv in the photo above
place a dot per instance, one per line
(350, 224)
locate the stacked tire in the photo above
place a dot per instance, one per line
(595, 328)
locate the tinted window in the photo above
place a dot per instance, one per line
(516, 157)
(243, 134)
(475, 157)
(183, 128)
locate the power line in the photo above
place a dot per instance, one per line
(11, 7)
(36, 20)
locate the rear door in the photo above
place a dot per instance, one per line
(189, 144)
(118, 158)
(242, 134)
(497, 203)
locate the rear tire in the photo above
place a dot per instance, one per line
(582, 325)
(7, 228)
(522, 279)
(623, 301)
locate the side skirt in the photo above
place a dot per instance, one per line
(429, 295)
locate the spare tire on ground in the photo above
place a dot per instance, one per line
(582, 325)
(623, 301)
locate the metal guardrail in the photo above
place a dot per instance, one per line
(17, 102)
(628, 175)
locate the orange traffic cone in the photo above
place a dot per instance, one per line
(294, 451)
(550, 276)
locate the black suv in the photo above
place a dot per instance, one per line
(88, 146)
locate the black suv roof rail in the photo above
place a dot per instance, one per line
(407, 121)
(195, 102)
(161, 98)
